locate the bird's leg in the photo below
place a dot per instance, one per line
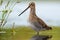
(37, 32)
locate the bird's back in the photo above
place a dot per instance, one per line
(37, 23)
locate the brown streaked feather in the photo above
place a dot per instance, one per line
(41, 22)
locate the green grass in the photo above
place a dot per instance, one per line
(25, 33)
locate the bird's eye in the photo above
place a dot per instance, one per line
(32, 4)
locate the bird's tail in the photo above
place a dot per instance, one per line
(49, 28)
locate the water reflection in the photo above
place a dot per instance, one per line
(41, 37)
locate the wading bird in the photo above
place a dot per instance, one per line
(37, 23)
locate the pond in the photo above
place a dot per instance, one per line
(47, 11)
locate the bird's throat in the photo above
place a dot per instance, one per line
(32, 11)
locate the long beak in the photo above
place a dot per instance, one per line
(24, 11)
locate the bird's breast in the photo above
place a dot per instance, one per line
(32, 18)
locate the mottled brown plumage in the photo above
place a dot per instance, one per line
(36, 22)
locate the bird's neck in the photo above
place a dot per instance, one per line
(32, 11)
(32, 14)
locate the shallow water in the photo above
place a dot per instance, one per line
(25, 33)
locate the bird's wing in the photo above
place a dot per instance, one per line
(41, 22)
(37, 25)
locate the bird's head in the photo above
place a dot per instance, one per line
(31, 5)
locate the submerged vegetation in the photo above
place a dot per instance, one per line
(25, 33)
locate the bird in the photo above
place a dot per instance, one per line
(37, 23)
